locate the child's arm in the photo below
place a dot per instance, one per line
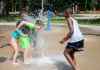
(20, 24)
(71, 30)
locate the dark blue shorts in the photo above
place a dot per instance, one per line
(75, 45)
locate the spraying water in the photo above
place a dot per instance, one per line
(39, 43)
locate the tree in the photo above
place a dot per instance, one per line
(4, 8)
(2, 5)
(60, 5)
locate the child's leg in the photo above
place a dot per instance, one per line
(15, 49)
(28, 53)
(70, 57)
(25, 54)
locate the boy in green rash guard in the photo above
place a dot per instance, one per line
(20, 38)
(26, 41)
(14, 41)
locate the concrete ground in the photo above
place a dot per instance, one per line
(53, 52)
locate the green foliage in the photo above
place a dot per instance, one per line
(61, 5)
(87, 21)
(58, 20)
(98, 5)
(8, 18)
(33, 4)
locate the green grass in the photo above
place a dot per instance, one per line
(60, 20)
(55, 20)
(8, 18)
(91, 22)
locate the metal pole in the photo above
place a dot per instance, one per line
(42, 7)
(42, 4)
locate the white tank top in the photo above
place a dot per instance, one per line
(77, 35)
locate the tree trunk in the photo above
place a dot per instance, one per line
(2, 6)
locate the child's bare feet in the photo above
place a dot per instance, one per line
(15, 63)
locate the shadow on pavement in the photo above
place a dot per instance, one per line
(20, 56)
(3, 59)
(62, 66)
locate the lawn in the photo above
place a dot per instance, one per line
(60, 20)
(55, 20)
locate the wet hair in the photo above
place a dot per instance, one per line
(39, 22)
(18, 22)
(68, 11)
(23, 11)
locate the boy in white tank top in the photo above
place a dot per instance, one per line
(74, 39)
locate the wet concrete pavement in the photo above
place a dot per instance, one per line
(89, 60)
